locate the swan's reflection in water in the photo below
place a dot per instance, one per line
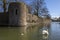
(45, 36)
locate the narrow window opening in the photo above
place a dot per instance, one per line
(16, 11)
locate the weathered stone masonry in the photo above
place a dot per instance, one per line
(18, 15)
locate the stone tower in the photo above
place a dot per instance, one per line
(17, 14)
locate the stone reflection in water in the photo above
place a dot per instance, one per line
(8, 33)
(23, 33)
(29, 33)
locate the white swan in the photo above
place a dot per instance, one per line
(45, 32)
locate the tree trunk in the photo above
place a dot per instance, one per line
(4, 5)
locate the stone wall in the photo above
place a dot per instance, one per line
(33, 19)
(4, 19)
(17, 14)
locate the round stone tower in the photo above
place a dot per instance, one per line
(17, 14)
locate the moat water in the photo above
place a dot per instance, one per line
(31, 32)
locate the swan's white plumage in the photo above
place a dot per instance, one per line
(45, 32)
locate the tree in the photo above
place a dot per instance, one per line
(44, 11)
(29, 8)
(37, 6)
(4, 5)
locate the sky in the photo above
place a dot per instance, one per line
(53, 7)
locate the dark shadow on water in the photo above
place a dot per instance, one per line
(3, 25)
(10, 26)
